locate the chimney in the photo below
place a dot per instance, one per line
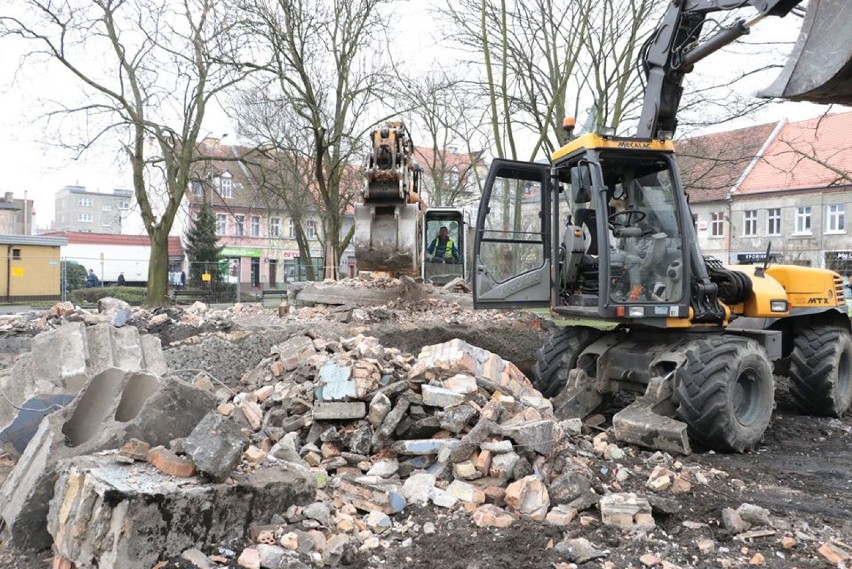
(8, 197)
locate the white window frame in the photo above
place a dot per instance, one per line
(717, 224)
(106, 223)
(106, 207)
(226, 186)
(124, 204)
(84, 218)
(84, 202)
(803, 221)
(311, 229)
(255, 226)
(221, 224)
(195, 187)
(240, 225)
(750, 223)
(291, 229)
(275, 227)
(835, 216)
(773, 218)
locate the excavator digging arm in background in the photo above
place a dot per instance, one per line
(818, 70)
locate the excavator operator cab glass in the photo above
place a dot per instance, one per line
(644, 249)
(443, 244)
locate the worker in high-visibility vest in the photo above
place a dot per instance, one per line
(443, 249)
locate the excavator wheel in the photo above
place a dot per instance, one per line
(725, 393)
(558, 356)
(821, 370)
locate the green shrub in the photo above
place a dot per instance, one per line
(131, 294)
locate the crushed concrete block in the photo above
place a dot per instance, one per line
(627, 511)
(833, 554)
(466, 492)
(384, 468)
(334, 383)
(490, 515)
(378, 522)
(113, 408)
(334, 411)
(497, 447)
(456, 419)
(380, 406)
(440, 397)
(579, 550)
(371, 494)
(216, 446)
(503, 465)
(755, 515)
(418, 487)
(561, 516)
(169, 463)
(135, 449)
(101, 510)
(423, 446)
(466, 470)
(460, 383)
(294, 351)
(442, 498)
(569, 486)
(733, 522)
(539, 436)
(529, 497)
(249, 558)
(383, 433)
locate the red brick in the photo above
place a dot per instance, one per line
(168, 462)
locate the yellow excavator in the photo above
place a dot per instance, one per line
(604, 233)
(395, 232)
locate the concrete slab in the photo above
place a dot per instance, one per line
(114, 407)
(106, 514)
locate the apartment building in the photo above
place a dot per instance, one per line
(787, 186)
(80, 210)
(17, 216)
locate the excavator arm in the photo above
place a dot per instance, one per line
(818, 70)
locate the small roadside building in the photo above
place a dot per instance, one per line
(31, 268)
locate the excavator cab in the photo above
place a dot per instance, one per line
(444, 245)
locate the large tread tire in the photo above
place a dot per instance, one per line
(726, 393)
(558, 356)
(821, 370)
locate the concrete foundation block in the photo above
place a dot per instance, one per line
(114, 407)
(109, 515)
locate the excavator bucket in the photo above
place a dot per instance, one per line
(386, 238)
(819, 69)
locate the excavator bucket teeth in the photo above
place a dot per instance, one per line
(819, 69)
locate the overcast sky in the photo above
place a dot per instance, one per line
(29, 163)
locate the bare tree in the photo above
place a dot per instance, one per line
(147, 72)
(325, 69)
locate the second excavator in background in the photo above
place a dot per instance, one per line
(395, 231)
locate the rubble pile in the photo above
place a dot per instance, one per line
(337, 449)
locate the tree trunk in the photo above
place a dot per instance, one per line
(158, 269)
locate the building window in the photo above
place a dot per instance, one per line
(311, 229)
(275, 227)
(837, 218)
(106, 207)
(84, 217)
(124, 204)
(291, 230)
(454, 179)
(16, 254)
(226, 186)
(750, 223)
(239, 225)
(195, 185)
(106, 223)
(803, 219)
(717, 224)
(773, 221)
(221, 222)
(255, 226)
(84, 202)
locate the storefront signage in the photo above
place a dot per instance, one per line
(240, 252)
(746, 258)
